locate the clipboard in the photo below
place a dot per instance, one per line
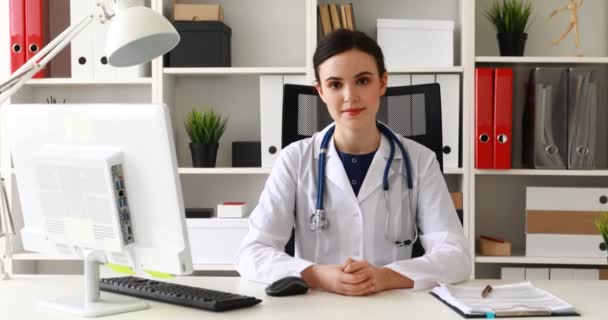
(509, 314)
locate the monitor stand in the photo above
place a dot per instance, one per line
(92, 305)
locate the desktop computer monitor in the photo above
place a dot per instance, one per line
(101, 181)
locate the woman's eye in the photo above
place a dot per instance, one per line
(363, 81)
(334, 85)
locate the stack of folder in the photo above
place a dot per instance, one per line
(561, 119)
(493, 117)
(27, 31)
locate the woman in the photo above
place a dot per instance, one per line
(366, 245)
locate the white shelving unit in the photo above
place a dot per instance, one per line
(277, 37)
(259, 48)
(497, 197)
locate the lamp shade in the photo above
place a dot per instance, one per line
(138, 34)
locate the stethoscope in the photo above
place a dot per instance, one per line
(318, 219)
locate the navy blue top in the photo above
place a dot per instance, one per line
(356, 166)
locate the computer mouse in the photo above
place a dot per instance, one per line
(287, 286)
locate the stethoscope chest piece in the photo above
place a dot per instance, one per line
(318, 220)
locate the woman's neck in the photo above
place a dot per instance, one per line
(362, 141)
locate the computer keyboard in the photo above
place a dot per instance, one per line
(177, 294)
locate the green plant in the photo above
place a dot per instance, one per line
(205, 127)
(510, 16)
(602, 225)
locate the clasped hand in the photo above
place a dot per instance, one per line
(352, 278)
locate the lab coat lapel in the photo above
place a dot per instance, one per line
(375, 173)
(334, 170)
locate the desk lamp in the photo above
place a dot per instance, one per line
(136, 35)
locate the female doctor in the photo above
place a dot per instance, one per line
(356, 193)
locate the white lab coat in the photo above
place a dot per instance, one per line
(356, 223)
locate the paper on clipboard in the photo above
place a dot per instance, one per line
(518, 299)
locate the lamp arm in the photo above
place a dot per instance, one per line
(40, 60)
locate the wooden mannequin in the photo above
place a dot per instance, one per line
(571, 6)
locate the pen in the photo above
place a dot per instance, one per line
(486, 291)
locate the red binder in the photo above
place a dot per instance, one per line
(503, 117)
(34, 30)
(484, 127)
(17, 30)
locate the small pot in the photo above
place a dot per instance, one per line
(203, 154)
(512, 43)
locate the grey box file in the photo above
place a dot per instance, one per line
(582, 119)
(546, 122)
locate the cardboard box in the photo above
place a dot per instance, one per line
(457, 199)
(560, 222)
(198, 12)
(486, 247)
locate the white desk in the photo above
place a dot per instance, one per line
(19, 296)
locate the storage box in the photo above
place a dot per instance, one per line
(232, 210)
(408, 43)
(560, 222)
(512, 274)
(216, 241)
(202, 44)
(487, 247)
(198, 12)
(537, 273)
(246, 154)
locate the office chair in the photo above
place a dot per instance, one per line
(412, 111)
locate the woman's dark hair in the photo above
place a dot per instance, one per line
(343, 40)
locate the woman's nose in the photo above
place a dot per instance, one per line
(351, 93)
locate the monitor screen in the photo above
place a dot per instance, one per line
(100, 177)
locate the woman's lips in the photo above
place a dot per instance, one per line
(353, 112)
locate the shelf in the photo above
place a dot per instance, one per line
(213, 267)
(76, 82)
(224, 170)
(429, 69)
(589, 60)
(232, 71)
(41, 256)
(541, 260)
(454, 171)
(541, 172)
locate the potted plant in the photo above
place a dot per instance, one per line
(602, 225)
(205, 130)
(511, 19)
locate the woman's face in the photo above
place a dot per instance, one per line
(351, 87)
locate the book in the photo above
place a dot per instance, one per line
(511, 300)
(325, 17)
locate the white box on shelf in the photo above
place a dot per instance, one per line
(537, 273)
(232, 210)
(561, 274)
(512, 274)
(407, 43)
(216, 241)
(560, 222)
(586, 274)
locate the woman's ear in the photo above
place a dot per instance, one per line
(383, 83)
(319, 89)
